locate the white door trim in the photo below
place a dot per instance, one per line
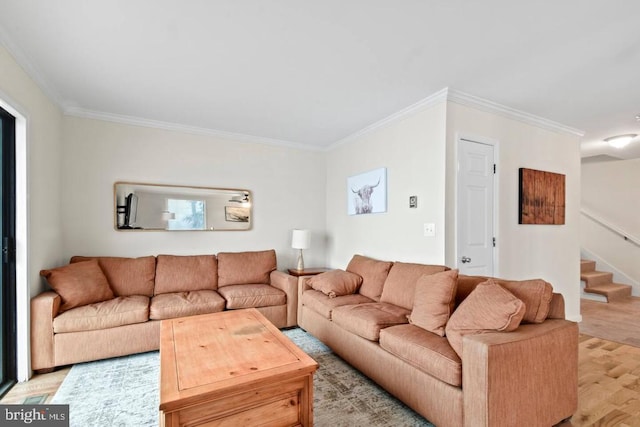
(496, 196)
(23, 295)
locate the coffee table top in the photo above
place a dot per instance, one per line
(215, 353)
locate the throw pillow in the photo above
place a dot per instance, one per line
(336, 283)
(536, 295)
(489, 307)
(78, 284)
(434, 301)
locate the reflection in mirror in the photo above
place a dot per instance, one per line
(172, 207)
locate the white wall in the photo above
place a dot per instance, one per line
(287, 185)
(551, 252)
(413, 151)
(610, 191)
(38, 157)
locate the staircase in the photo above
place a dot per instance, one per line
(601, 283)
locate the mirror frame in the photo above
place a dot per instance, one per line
(120, 209)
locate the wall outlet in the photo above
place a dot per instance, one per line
(429, 229)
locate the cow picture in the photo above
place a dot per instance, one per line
(367, 192)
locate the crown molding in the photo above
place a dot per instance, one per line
(451, 95)
(511, 113)
(157, 124)
(423, 104)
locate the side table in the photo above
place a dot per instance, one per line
(301, 274)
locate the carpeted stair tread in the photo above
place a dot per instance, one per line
(593, 278)
(613, 291)
(587, 265)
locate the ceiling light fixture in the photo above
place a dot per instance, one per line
(620, 141)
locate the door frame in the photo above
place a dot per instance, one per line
(21, 244)
(496, 196)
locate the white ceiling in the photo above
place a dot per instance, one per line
(314, 72)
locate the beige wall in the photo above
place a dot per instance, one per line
(610, 191)
(38, 219)
(413, 151)
(551, 252)
(44, 122)
(287, 184)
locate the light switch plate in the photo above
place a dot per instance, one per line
(429, 229)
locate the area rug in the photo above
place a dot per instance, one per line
(124, 392)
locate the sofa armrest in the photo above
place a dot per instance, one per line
(289, 285)
(44, 307)
(528, 374)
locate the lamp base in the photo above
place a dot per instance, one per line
(300, 261)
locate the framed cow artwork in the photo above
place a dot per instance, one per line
(367, 192)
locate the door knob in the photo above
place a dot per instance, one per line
(465, 259)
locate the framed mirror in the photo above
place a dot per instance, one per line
(140, 207)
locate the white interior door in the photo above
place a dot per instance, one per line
(475, 242)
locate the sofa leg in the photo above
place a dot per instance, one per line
(43, 371)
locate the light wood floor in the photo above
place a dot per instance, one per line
(608, 368)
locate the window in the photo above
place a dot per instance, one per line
(189, 214)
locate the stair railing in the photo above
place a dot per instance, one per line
(626, 236)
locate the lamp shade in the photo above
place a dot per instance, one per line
(300, 239)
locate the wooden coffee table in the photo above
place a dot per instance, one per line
(232, 368)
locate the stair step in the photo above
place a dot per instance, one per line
(586, 265)
(594, 278)
(613, 291)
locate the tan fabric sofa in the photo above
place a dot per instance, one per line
(145, 291)
(524, 377)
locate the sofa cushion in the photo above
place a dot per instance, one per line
(400, 286)
(239, 268)
(115, 312)
(249, 296)
(366, 320)
(324, 305)
(185, 273)
(426, 351)
(373, 273)
(79, 284)
(489, 307)
(336, 283)
(536, 295)
(434, 301)
(127, 276)
(466, 285)
(181, 304)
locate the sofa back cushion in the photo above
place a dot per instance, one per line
(400, 286)
(127, 276)
(79, 284)
(244, 268)
(185, 273)
(373, 273)
(536, 295)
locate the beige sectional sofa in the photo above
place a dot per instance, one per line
(103, 307)
(459, 350)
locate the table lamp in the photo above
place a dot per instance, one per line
(300, 239)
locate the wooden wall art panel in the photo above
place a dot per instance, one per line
(542, 197)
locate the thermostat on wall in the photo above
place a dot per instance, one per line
(413, 201)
